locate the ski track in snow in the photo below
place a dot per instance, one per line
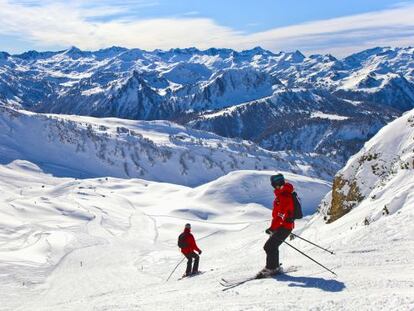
(111, 244)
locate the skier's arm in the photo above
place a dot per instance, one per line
(276, 220)
(194, 244)
(276, 223)
(280, 211)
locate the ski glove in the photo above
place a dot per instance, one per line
(269, 231)
(199, 252)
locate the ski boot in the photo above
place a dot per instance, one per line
(265, 272)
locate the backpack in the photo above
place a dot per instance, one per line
(182, 243)
(297, 207)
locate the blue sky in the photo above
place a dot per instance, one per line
(251, 16)
(312, 26)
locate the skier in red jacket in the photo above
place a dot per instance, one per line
(188, 245)
(282, 223)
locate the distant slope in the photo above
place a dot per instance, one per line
(299, 120)
(158, 150)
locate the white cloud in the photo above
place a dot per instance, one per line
(191, 13)
(72, 23)
(390, 27)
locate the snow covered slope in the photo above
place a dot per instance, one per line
(379, 180)
(67, 241)
(110, 244)
(369, 218)
(157, 150)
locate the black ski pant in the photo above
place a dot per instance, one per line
(190, 257)
(271, 247)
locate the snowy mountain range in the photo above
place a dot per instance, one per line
(278, 100)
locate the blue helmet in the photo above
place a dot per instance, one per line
(277, 180)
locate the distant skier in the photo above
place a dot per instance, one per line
(188, 245)
(281, 226)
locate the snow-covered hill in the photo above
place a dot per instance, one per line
(110, 234)
(369, 218)
(193, 87)
(110, 244)
(378, 181)
(84, 147)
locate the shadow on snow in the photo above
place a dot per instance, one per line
(328, 285)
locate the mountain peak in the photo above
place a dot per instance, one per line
(359, 57)
(294, 57)
(73, 49)
(190, 50)
(112, 49)
(256, 50)
(75, 52)
(32, 55)
(4, 55)
(298, 54)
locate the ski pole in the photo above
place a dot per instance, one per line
(175, 269)
(326, 250)
(310, 258)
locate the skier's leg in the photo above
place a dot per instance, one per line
(270, 248)
(189, 264)
(196, 261)
(280, 235)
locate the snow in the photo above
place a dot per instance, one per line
(319, 114)
(92, 91)
(85, 147)
(110, 243)
(353, 102)
(222, 112)
(148, 85)
(91, 235)
(90, 209)
(380, 226)
(384, 156)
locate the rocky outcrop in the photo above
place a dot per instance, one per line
(345, 196)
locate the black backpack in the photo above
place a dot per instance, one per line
(297, 207)
(182, 243)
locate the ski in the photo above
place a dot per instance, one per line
(234, 281)
(192, 275)
(228, 284)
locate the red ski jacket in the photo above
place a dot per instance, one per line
(283, 208)
(192, 246)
